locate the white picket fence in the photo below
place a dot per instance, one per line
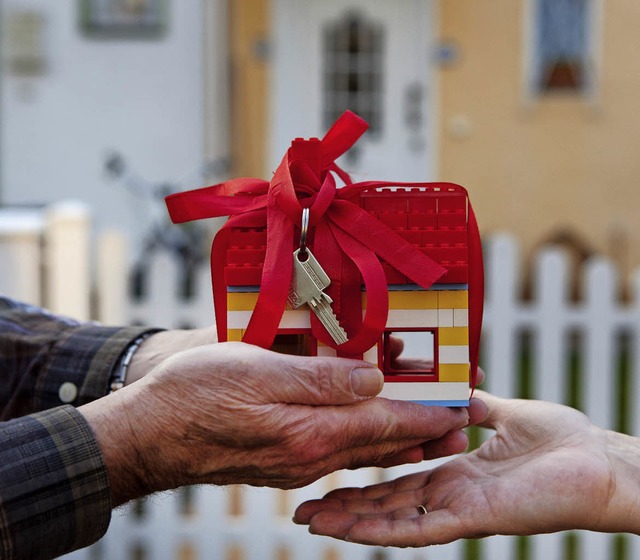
(573, 352)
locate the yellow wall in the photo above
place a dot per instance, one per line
(556, 162)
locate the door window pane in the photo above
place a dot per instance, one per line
(352, 69)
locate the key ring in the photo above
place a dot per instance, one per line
(303, 231)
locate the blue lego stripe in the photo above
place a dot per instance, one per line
(391, 287)
(243, 289)
(433, 288)
(443, 403)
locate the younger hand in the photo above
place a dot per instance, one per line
(547, 469)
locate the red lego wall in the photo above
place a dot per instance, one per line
(434, 219)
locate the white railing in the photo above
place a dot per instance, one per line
(584, 353)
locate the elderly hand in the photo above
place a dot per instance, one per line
(234, 413)
(547, 469)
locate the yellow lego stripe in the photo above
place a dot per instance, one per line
(453, 336)
(410, 299)
(453, 299)
(453, 372)
(235, 335)
(241, 301)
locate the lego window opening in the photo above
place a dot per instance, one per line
(419, 354)
(295, 343)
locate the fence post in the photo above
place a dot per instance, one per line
(20, 274)
(551, 318)
(111, 278)
(501, 322)
(67, 268)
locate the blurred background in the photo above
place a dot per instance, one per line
(106, 106)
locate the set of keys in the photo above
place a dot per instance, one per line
(308, 284)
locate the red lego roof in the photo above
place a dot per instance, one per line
(433, 218)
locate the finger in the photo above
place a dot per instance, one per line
(496, 409)
(322, 380)
(478, 411)
(396, 346)
(414, 482)
(406, 456)
(480, 376)
(437, 527)
(402, 423)
(305, 511)
(393, 504)
(272, 377)
(335, 524)
(451, 443)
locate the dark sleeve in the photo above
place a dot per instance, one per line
(54, 492)
(47, 361)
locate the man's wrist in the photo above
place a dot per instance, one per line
(119, 376)
(162, 345)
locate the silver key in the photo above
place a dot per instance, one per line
(307, 286)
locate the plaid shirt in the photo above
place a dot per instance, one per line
(54, 492)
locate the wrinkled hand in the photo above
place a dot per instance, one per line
(234, 413)
(546, 469)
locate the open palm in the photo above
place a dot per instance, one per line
(544, 470)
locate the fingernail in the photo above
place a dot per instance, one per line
(366, 382)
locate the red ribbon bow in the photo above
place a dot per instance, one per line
(348, 241)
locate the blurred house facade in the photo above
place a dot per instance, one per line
(530, 104)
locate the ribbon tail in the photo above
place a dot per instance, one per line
(377, 309)
(276, 279)
(217, 200)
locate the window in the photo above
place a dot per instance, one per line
(418, 357)
(562, 58)
(352, 73)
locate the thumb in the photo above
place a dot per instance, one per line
(321, 380)
(497, 408)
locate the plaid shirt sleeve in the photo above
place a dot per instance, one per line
(54, 492)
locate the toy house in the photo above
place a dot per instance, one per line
(436, 321)
(398, 261)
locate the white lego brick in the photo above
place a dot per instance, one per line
(371, 355)
(412, 318)
(445, 317)
(453, 354)
(238, 319)
(460, 317)
(451, 393)
(298, 319)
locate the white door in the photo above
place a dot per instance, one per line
(374, 57)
